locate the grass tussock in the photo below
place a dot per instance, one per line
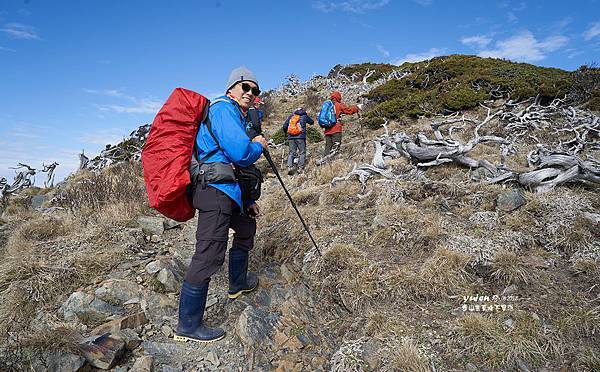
(511, 268)
(407, 357)
(497, 346)
(43, 228)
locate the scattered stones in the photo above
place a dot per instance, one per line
(287, 274)
(510, 200)
(60, 361)
(155, 239)
(102, 351)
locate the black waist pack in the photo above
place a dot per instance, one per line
(250, 180)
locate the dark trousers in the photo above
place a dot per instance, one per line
(332, 143)
(216, 214)
(297, 145)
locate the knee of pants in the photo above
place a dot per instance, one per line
(245, 244)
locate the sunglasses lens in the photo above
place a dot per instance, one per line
(246, 88)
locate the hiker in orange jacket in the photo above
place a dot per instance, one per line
(333, 135)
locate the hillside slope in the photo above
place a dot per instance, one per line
(442, 251)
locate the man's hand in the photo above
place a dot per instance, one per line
(261, 140)
(254, 211)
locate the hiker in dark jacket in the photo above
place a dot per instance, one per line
(222, 143)
(297, 142)
(333, 135)
(255, 114)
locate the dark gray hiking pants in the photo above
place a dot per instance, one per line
(216, 214)
(297, 145)
(332, 143)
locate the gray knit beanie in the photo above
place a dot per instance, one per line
(240, 74)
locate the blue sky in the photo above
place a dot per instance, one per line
(80, 74)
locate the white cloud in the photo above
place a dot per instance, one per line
(416, 57)
(512, 17)
(102, 137)
(20, 31)
(592, 32)
(142, 107)
(525, 47)
(6, 49)
(477, 41)
(383, 51)
(351, 6)
(135, 105)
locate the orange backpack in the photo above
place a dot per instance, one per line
(294, 129)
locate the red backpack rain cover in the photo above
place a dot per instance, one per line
(168, 151)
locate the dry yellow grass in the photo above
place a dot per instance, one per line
(406, 356)
(488, 342)
(511, 268)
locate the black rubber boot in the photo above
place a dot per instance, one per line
(192, 301)
(240, 280)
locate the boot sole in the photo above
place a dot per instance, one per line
(185, 339)
(233, 296)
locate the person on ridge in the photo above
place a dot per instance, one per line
(297, 138)
(333, 135)
(222, 144)
(255, 116)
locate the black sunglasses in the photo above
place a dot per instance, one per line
(246, 88)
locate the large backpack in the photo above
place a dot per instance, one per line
(327, 117)
(168, 152)
(294, 127)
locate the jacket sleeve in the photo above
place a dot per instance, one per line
(347, 110)
(227, 127)
(309, 120)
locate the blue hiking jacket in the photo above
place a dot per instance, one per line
(304, 119)
(229, 126)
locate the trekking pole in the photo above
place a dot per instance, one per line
(268, 156)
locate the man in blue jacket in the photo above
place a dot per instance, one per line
(222, 144)
(297, 138)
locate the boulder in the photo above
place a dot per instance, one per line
(167, 277)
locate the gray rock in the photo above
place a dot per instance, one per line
(87, 308)
(470, 367)
(155, 266)
(168, 279)
(118, 291)
(155, 239)
(142, 364)
(511, 289)
(256, 326)
(151, 225)
(130, 337)
(480, 174)
(169, 224)
(213, 358)
(166, 330)
(158, 305)
(37, 201)
(131, 321)
(510, 200)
